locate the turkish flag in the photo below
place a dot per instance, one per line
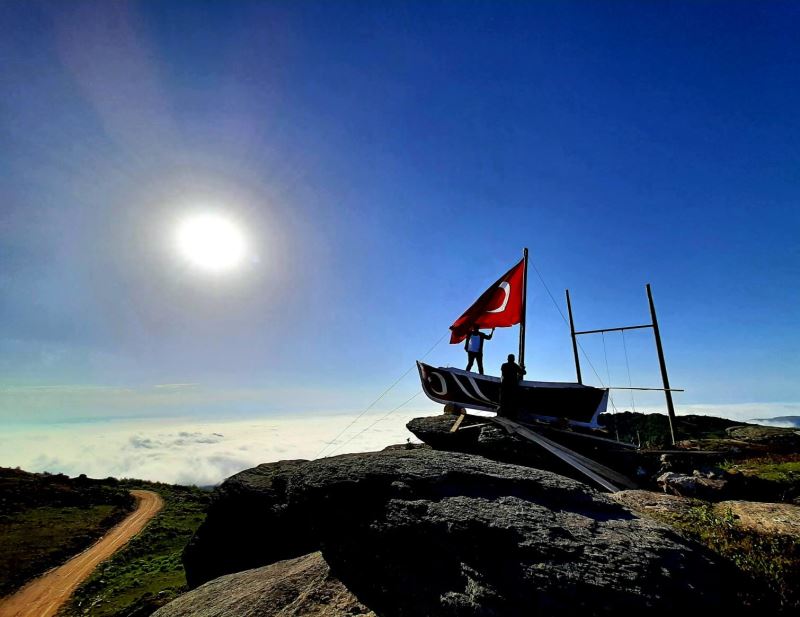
(499, 306)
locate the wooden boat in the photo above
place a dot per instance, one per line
(574, 403)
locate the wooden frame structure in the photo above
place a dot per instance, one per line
(659, 348)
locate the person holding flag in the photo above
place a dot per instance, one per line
(474, 347)
(500, 306)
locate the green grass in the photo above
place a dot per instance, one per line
(771, 561)
(47, 518)
(770, 478)
(772, 468)
(147, 572)
(34, 540)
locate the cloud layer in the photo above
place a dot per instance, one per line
(192, 452)
(187, 451)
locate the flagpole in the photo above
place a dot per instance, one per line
(524, 309)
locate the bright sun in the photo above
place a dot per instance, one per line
(211, 242)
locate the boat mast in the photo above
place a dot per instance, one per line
(524, 309)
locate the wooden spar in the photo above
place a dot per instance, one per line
(521, 358)
(615, 329)
(662, 363)
(464, 428)
(653, 389)
(592, 469)
(574, 340)
(612, 442)
(458, 422)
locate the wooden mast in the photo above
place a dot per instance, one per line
(524, 309)
(574, 340)
(663, 365)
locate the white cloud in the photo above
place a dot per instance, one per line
(189, 451)
(205, 452)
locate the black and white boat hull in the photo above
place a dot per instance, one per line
(576, 403)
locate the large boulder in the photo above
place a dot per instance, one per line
(424, 532)
(248, 525)
(295, 587)
(480, 435)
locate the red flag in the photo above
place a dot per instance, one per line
(499, 306)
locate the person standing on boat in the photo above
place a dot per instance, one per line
(511, 374)
(474, 347)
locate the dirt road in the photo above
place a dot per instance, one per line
(42, 597)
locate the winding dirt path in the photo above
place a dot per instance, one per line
(43, 596)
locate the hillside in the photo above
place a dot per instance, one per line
(475, 523)
(147, 572)
(46, 518)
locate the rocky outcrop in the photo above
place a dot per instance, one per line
(774, 439)
(297, 587)
(248, 525)
(695, 485)
(766, 518)
(479, 435)
(476, 435)
(651, 503)
(423, 532)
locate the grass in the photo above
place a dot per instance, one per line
(147, 573)
(45, 519)
(34, 540)
(771, 561)
(775, 477)
(652, 430)
(772, 468)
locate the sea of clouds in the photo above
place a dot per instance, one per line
(204, 452)
(185, 451)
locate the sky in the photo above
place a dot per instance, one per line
(385, 162)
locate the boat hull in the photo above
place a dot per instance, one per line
(574, 402)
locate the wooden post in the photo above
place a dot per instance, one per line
(524, 309)
(574, 339)
(662, 363)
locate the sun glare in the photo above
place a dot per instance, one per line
(211, 242)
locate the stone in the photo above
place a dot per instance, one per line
(695, 485)
(766, 518)
(298, 587)
(424, 532)
(653, 503)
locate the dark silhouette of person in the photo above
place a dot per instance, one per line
(474, 347)
(510, 375)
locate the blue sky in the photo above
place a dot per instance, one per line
(388, 161)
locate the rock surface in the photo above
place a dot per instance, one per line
(478, 435)
(771, 518)
(247, 525)
(423, 532)
(297, 587)
(650, 502)
(695, 485)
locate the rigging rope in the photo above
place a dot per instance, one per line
(381, 419)
(384, 393)
(628, 366)
(608, 373)
(560, 312)
(436, 344)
